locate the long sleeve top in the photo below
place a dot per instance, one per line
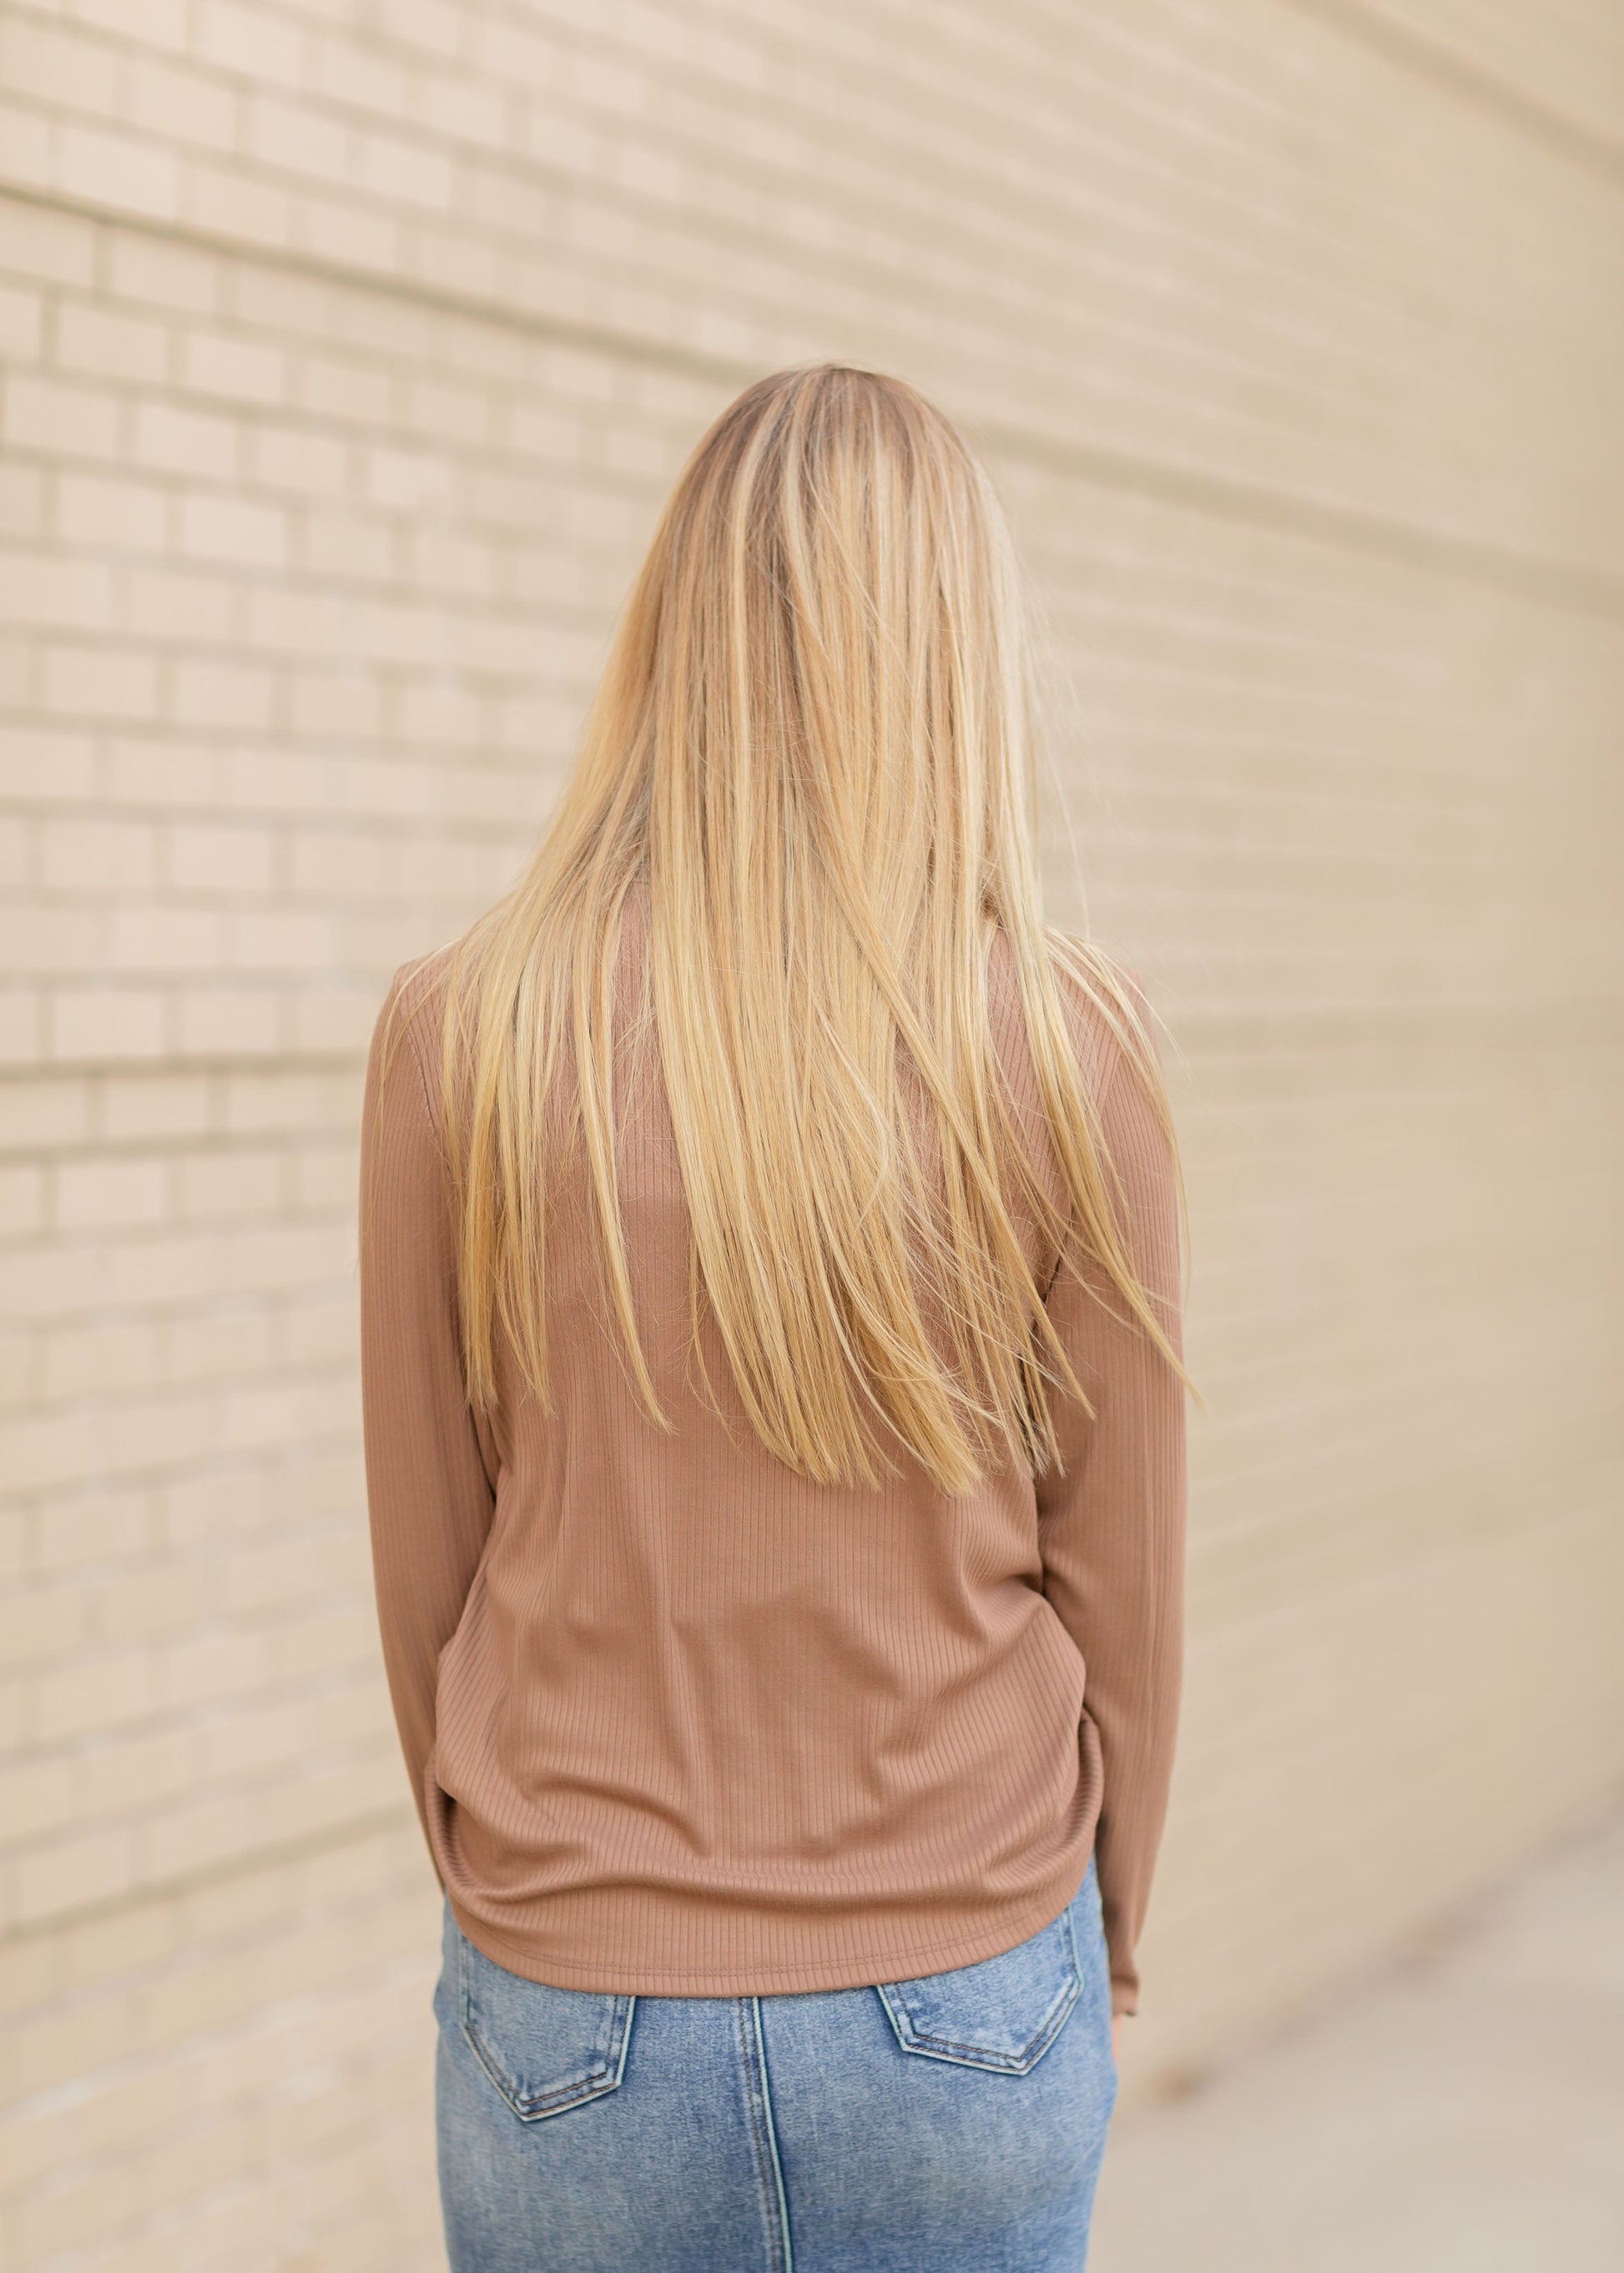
(678, 1721)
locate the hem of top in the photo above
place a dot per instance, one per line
(765, 1980)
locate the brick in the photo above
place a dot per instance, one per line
(155, 273)
(230, 1184)
(296, 137)
(164, 774)
(177, 606)
(233, 529)
(47, 413)
(100, 682)
(56, 67)
(177, 106)
(347, 545)
(360, 77)
(403, 171)
(22, 1201)
(106, 1024)
(49, 590)
(100, 1692)
(223, 365)
(91, 855)
(152, 939)
(46, 1113)
(22, 1020)
(171, 439)
(107, 511)
(220, 1021)
(96, 1194)
(288, 938)
(18, 839)
(53, 941)
(36, 1801)
(236, 1347)
(243, 208)
(92, 1528)
(28, 140)
(168, 1105)
(109, 1361)
(121, 171)
(217, 362)
(22, 501)
(220, 860)
(303, 461)
(252, 42)
(44, 245)
(21, 323)
(346, 391)
(230, 695)
(104, 343)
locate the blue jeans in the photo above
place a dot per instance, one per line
(957, 2120)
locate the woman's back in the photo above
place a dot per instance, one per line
(680, 1721)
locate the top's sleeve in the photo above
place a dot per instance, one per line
(1112, 1528)
(430, 1469)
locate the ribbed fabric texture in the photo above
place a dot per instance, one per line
(678, 1722)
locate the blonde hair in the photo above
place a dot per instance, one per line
(810, 741)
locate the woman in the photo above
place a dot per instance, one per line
(774, 1402)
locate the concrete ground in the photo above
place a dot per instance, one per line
(1463, 2115)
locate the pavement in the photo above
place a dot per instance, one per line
(1461, 2113)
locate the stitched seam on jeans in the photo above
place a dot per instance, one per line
(526, 2105)
(772, 2139)
(989, 2056)
(1070, 1989)
(764, 2172)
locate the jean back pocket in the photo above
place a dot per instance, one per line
(544, 2049)
(1002, 2014)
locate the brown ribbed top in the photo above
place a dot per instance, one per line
(678, 1722)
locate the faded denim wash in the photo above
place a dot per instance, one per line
(931, 2126)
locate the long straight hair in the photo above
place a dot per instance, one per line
(810, 745)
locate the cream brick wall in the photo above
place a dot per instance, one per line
(348, 352)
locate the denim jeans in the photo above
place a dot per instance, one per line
(954, 2121)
